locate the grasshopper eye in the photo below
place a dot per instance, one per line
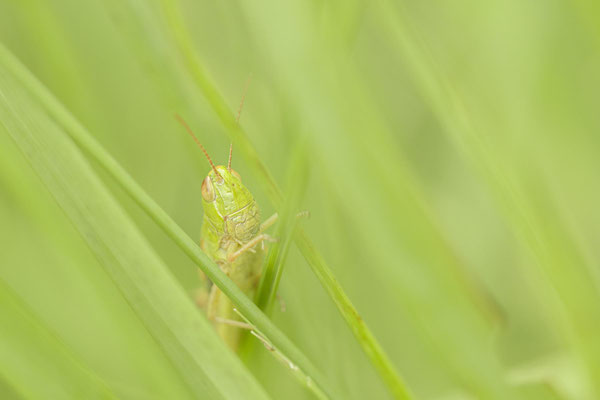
(234, 173)
(208, 192)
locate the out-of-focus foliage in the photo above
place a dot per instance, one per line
(453, 156)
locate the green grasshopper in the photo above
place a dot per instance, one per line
(231, 234)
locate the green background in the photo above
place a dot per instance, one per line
(452, 165)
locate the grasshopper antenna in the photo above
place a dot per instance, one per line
(189, 130)
(230, 152)
(237, 118)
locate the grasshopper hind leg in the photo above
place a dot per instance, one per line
(202, 293)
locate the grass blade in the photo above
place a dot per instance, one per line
(29, 351)
(286, 227)
(188, 339)
(244, 305)
(535, 222)
(366, 339)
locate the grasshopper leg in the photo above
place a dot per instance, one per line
(244, 325)
(268, 222)
(232, 322)
(212, 306)
(273, 218)
(248, 246)
(201, 294)
(201, 297)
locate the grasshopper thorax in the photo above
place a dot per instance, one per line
(228, 205)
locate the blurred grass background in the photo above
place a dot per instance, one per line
(453, 188)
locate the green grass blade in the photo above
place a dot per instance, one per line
(366, 339)
(30, 352)
(522, 197)
(452, 163)
(244, 305)
(200, 357)
(286, 227)
(47, 264)
(273, 266)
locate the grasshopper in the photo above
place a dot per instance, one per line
(232, 235)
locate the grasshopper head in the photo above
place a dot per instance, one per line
(223, 193)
